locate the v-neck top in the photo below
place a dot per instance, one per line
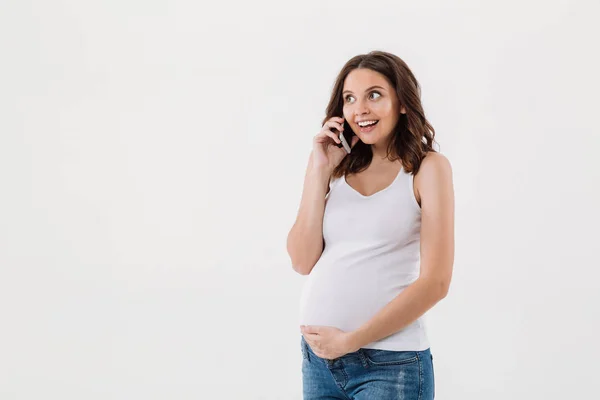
(371, 254)
(345, 182)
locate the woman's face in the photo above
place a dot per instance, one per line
(368, 96)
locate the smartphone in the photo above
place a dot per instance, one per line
(346, 137)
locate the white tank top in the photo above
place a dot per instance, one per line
(371, 254)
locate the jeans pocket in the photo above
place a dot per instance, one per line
(389, 357)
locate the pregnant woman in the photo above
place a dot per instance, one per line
(375, 236)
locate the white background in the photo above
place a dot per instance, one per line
(152, 156)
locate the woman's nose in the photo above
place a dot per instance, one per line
(360, 108)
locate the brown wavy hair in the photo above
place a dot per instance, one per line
(413, 136)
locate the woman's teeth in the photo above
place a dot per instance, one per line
(368, 126)
(367, 123)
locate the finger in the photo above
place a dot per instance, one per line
(311, 343)
(322, 355)
(326, 132)
(313, 337)
(334, 124)
(334, 136)
(311, 329)
(320, 137)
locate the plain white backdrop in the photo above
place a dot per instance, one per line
(152, 156)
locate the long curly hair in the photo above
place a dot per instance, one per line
(413, 136)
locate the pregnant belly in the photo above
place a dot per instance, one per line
(345, 299)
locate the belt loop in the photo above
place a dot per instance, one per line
(363, 358)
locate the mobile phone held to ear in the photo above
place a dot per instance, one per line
(346, 137)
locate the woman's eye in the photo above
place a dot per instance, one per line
(349, 96)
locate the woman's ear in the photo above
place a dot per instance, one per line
(402, 110)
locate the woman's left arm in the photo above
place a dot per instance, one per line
(435, 187)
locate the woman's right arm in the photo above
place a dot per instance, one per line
(305, 239)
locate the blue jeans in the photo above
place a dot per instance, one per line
(368, 374)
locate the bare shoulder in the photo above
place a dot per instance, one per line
(435, 163)
(434, 174)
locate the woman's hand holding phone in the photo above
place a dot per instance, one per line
(326, 151)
